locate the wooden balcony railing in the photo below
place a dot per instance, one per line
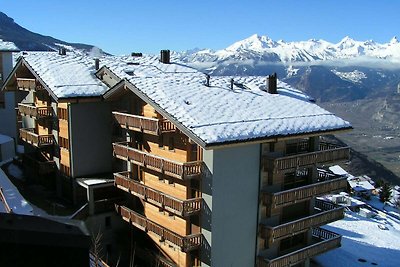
(175, 169)
(29, 136)
(33, 111)
(329, 214)
(27, 84)
(327, 240)
(4, 200)
(143, 124)
(40, 165)
(289, 197)
(327, 153)
(185, 243)
(177, 206)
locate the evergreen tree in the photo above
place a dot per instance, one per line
(386, 192)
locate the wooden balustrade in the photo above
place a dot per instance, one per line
(177, 206)
(172, 168)
(39, 164)
(289, 197)
(327, 153)
(329, 214)
(26, 84)
(29, 136)
(137, 123)
(4, 200)
(167, 126)
(33, 111)
(186, 243)
(327, 240)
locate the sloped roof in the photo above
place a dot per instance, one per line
(8, 46)
(67, 76)
(218, 114)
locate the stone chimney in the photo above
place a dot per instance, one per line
(165, 56)
(271, 84)
(207, 80)
(97, 63)
(62, 51)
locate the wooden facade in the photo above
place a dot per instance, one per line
(165, 174)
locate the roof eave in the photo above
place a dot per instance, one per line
(275, 138)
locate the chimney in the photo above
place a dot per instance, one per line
(97, 63)
(271, 84)
(165, 56)
(62, 51)
(232, 84)
(207, 80)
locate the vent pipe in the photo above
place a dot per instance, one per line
(207, 80)
(232, 84)
(271, 84)
(62, 51)
(165, 56)
(97, 63)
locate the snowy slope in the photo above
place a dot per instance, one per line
(364, 243)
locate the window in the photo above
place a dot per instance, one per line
(62, 113)
(65, 170)
(171, 143)
(63, 142)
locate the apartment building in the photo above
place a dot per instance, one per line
(62, 118)
(222, 171)
(218, 171)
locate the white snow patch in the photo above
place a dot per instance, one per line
(354, 76)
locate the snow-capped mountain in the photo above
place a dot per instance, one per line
(346, 70)
(262, 47)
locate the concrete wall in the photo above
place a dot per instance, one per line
(231, 198)
(7, 114)
(90, 129)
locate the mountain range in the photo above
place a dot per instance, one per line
(345, 71)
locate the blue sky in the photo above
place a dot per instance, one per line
(124, 26)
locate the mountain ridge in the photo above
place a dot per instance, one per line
(31, 41)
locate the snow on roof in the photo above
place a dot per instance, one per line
(336, 169)
(14, 199)
(360, 185)
(71, 75)
(218, 114)
(5, 139)
(8, 46)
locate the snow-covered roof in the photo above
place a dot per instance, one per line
(8, 46)
(218, 114)
(70, 75)
(336, 169)
(360, 185)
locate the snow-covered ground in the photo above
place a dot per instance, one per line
(364, 243)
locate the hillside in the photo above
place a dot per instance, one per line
(30, 41)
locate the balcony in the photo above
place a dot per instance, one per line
(29, 136)
(27, 84)
(40, 163)
(325, 213)
(172, 168)
(303, 193)
(327, 153)
(179, 207)
(185, 243)
(36, 112)
(143, 124)
(323, 240)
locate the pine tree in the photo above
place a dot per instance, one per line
(386, 192)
